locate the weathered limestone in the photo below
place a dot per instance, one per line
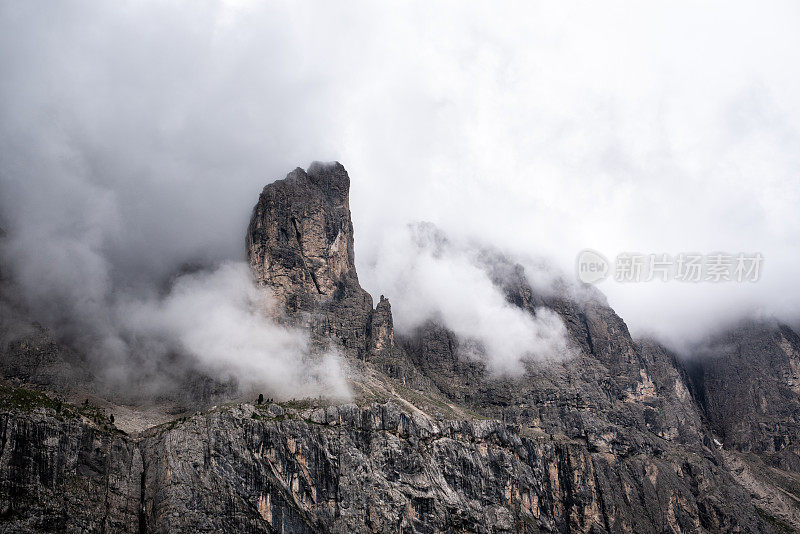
(300, 244)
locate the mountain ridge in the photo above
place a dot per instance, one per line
(614, 439)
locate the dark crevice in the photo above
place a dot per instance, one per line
(107, 477)
(564, 468)
(585, 324)
(600, 501)
(299, 238)
(142, 508)
(297, 234)
(314, 279)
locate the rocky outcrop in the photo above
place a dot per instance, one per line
(381, 330)
(300, 245)
(60, 472)
(611, 386)
(619, 398)
(747, 384)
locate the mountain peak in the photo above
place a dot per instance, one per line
(300, 244)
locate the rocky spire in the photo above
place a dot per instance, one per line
(382, 329)
(300, 243)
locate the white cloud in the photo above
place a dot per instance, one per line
(430, 278)
(220, 318)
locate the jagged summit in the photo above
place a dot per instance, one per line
(300, 244)
(300, 236)
(620, 399)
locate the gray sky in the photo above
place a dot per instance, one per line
(136, 136)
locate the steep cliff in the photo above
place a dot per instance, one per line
(348, 468)
(747, 383)
(300, 244)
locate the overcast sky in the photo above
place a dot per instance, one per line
(136, 136)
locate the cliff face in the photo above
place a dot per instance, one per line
(346, 468)
(747, 382)
(60, 472)
(300, 244)
(620, 438)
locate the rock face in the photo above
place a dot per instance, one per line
(747, 382)
(30, 353)
(381, 330)
(623, 437)
(347, 469)
(61, 473)
(300, 244)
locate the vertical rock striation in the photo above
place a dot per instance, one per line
(300, 244)
(346, 469)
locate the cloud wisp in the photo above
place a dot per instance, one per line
(436, 278)
(220, 319)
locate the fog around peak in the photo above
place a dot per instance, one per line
(433, 277)
(135, 139)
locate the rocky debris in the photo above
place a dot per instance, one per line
(300, 244)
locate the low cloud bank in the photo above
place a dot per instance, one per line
(428, 276)
(212, 324)
(219, 318)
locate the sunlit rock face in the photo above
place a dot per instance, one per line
(300, 244)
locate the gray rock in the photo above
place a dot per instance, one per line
(275, 410)
(300, 244)
(620, 438)
(370, 469)
(747, 384)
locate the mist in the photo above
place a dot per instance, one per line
(135, 138)
(220, 318)
(446, 280)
